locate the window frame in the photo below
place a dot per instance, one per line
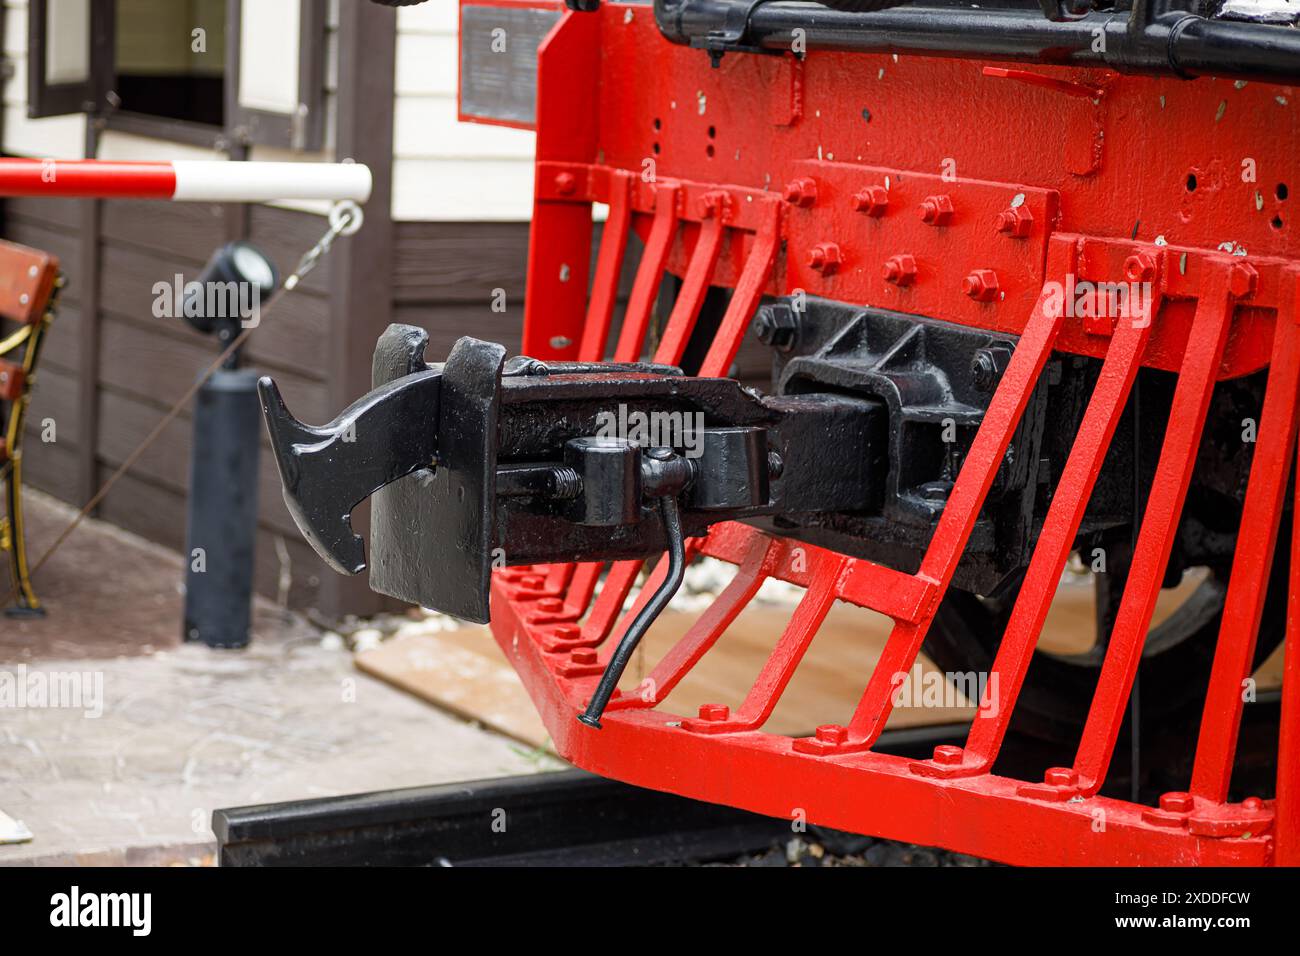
(243, 126)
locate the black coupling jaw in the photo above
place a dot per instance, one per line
(477, 463)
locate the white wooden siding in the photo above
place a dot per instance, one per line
(444, 170)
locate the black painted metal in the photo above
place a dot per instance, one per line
(1152, 37)
(477, 463)
(222, 511)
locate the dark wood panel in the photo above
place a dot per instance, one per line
(291, 337)
(61, 346)
(459, 261)
(52, 468)
(54, 396)
(285, 235)
(174, 230)
(138, 361)
(447, 323)
(63, 212)
(125, 422)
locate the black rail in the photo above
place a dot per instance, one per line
(569, 818)
(1155, 36)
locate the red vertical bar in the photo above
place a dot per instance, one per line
(1056, 540)
(1164, 507)
(695, 285)
(609, 265)
(1286, 823)
(649, 275)
(748, 292)
(963, 506)
(1252, 563)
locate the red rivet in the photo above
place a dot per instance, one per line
(565, 184)
(1176, 802)
(832, 733)
(1140, 267)
(873, 200)
(1242, 279)
(714, 711)
(981, 285)
(948, 755)
(801, 192)
(825, 258)
(1016, 221)
(900, 269)
(1061, 777)
(936, 210)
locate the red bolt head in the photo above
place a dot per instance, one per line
(832, 733)
(1252, 804)
(825, 258)
(583, 655)
(801, 192)
(900, 270)
(565, 184)
(1242, 279)
(550, 605)
(1177, 802)
(714, 711)
(981, 285)
(948, 755)
(1016, 221)
(1060, 777)
(533, 582)
(713, 203)
(873, 200)
(1140, 267)
(936, 210)
(567, 632)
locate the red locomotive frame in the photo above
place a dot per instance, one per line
(917, 185)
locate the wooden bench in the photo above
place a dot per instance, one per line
(29, 280)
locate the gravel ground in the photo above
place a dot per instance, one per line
(822, 847)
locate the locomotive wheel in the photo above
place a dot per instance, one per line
(1058, 688)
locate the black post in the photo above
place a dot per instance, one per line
(222, 521)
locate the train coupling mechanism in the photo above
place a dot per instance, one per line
(481, 462)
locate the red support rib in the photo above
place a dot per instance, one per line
(1286, 822)
(963, 506)
(609, 265)
(1055, 541)
(748, 292)
(695, 285)
(1252, 562)
(1164, 506)
(649, 275)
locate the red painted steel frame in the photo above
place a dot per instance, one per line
(771, 175)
